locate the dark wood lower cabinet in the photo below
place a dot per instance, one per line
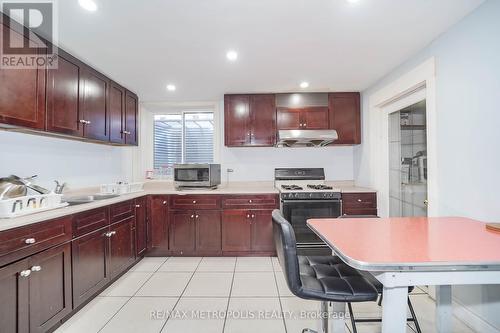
(14, 298)
(121, 246)
(90, 265)
(141, 233)
(208, 232)
(182, 231)
(49, 288)
(236, 230)
(262, 231)
(158, 224)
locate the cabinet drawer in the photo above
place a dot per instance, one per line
(89, 221)
(359, 200)
(22, 242)
(122, 211)
(359, 211)
(195, 202)
(250, 201)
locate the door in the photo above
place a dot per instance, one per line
(14, 298)
(289, 119)
(116, 113)
(131, 116)
(262, 231)
(237, 122)
(182, 231)
(158, 223)
(90, 273)
(408, 161)
(315, 118)
(263, 119)
(345, 117)
(140, 226)
(63, 95)
(50, 288)
(236, 230)
(22, 92)
(121, 246)
(95, 104)
(208, 231)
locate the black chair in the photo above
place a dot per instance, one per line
(325, 279)
(380, 288)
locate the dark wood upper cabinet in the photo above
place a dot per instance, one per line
(116, 113)
(141, 234)
(63, 94)
(208, 232)
(50, 288)
(158, 223)
(345, 117)
(94, 104)
(250, 120)
(315, 117)
(131, 118)
(182, 231)
(22, 91)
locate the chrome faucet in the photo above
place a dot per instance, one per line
(59, 187)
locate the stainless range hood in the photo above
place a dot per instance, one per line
(306, 138)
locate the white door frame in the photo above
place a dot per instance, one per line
(385, 100)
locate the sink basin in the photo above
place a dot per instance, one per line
(82, 199)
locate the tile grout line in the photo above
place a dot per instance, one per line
(229, 297)
(142, 285)
(279, 295)
(183, 291)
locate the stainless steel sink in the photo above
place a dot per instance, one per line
(82, 199)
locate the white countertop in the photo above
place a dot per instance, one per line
(157, 188)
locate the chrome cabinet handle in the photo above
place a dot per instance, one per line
(36, 268)
(164, 202)
(110, 234)
(194, 201)
(359, 200)
(137, 206)
(250, 201)
(30, 241)
(253, 216)
(192, 216)
(25, 273)
(82, 121)
(126, 132)
(248, 216)
(197, 216)
(88, 122)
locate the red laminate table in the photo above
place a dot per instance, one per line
(402, 252)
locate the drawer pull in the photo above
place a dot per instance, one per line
(25, 273)
(194, 201)
(248, 216)
(359, 200)
(250, 201)
(164, 202)
(36, 268)
(197, 216)
(253, 216)
(30, 241)
(192, 216)
(137, 206)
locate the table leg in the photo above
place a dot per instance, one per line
(337, 320)
(443, 309)
(394, 304)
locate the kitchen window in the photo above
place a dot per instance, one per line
(186, 137)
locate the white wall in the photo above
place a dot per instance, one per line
(79, 164)
(468, 120)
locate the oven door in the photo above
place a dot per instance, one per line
(297, 212)
(195, 176)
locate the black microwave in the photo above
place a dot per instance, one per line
(196, 175)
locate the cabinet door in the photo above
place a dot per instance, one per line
(345, 117)
(289, 118)
(95, 105)
(140, 226)
(63, 94)
(50, 288)
(14, 298)
(158, 223)
(22, 91)
(262, 231)
(116, 113)
(208, 232)
(315, 118)
(182, 231)
(90, 273)
(263, 115)
(237, 122)
(131, 116)
(121, 246)
(236, 230)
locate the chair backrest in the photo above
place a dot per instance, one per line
(286, 248)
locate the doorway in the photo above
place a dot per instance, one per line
(407, 134)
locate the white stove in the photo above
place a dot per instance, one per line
(303, 184)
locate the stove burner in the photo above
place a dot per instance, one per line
(320, 187)
(292, 187)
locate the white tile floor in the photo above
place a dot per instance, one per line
(215, 295)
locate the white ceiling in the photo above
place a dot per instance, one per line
(333, 44)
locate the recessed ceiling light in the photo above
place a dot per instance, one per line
(304, 85)
(89, 5)
(232, 55)
(171, 87)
